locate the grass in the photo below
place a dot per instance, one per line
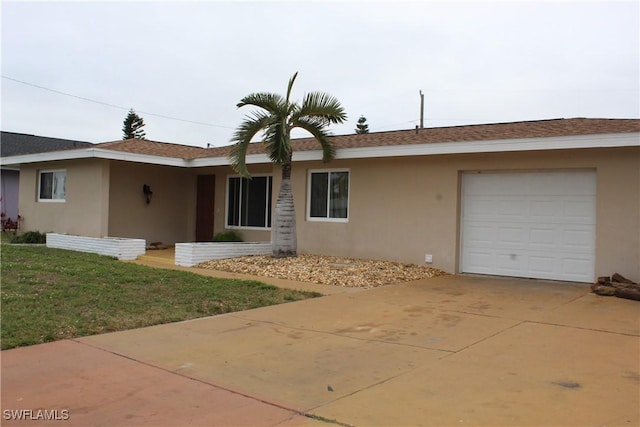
(51, 294)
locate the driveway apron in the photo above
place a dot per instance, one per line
(452, 350)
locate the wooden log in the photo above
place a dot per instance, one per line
(624, 285)
(628, 293)
(621, 279)
(603, 290)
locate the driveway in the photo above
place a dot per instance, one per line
(452, 350)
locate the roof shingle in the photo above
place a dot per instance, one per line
(13, 144)
(467, 133)
(484, 132)
(153, 148)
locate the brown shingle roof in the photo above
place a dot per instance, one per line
(153, 148)
(514, 130)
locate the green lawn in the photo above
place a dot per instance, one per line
(52, 294)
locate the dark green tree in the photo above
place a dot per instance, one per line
(362, 126)
(132, 126)
(275, 119)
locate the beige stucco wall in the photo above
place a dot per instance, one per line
(618, 214)
(399, 208)
(404, 208)
(169, 218)
(85, 211)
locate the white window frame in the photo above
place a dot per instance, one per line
(226, 204)
(328, 219)
(52, 200)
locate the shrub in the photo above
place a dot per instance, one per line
(228, 236)
(30, 237)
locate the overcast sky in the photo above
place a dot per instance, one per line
(476, 62)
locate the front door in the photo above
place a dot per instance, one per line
(204, 207)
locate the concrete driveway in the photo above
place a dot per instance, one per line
(453, 350)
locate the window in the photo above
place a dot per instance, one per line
(52, 186)
(328, 195)
(249, 201)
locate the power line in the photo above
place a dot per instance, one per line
(112, 105)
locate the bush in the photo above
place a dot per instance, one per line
(227, 236)
(30, 237)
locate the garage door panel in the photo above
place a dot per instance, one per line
(543, 266)
(540, 237)
(481, 208)
(580, 210)
(510, 208)
(544, 208)
(480, 235)
(490, 185)
(578, 239)
(578, 183)
(508, 264)
(510, 235)
(480, 261)
(539, 225)
(575, 267)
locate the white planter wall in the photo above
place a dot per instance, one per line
(121, 248)
(190, 254)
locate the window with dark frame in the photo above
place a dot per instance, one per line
(329, 195)
(249, 201)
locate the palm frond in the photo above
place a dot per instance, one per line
(320, 104)
(242, 137)
(271, 102)
(279, 116)
(291, 80)
(316, 127)
(278, 142)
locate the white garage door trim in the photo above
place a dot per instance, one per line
(531, 224)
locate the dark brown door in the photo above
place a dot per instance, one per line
(204, 207)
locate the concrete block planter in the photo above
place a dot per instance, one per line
(117, 247)
(190, 254)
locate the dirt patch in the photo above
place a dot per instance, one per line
(325, 270)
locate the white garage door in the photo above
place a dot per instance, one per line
(539, 225)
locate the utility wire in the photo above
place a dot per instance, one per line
(112, 105)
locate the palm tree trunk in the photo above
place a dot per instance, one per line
(283, 235)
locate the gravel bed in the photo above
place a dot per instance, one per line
(325, 270)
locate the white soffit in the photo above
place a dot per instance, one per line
(631, 139)
(94, 153)
(490, 146)
(224, 161)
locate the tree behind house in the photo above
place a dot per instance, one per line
(362, 126)
(132, 126)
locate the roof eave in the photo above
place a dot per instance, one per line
(630, 139)
(96, 153)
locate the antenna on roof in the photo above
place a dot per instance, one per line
(421, 110)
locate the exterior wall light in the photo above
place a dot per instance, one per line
(146, 190)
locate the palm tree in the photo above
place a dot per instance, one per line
(277, 117)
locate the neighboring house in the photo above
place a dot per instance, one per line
(12, 144)
(553, 199)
